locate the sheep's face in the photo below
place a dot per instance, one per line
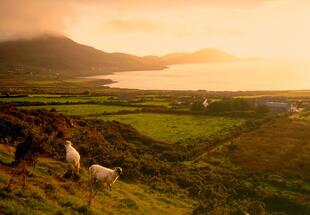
(119, 170)
(68, 143)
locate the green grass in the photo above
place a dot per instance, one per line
(5, 152)
(154, 103)
(172, 128)
(54, 99)
(213, 159)
(47, 192)
(82, 109)
(301, 116)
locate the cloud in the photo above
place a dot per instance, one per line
(115, 26)
(27, 18)
(160, 3)
(210, 32)
(130, 25)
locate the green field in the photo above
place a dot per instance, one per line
(82, 109)
(55, 99)
(172, 128)
(154, 103)
(52, 99)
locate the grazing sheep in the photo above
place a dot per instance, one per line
(103, 175)
(72, 157)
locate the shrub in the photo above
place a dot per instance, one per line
(256, 208)
(226, 105)
(197, 106)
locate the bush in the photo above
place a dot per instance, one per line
(262, 109)
(197, 106)
(256, 208)
(226, 105)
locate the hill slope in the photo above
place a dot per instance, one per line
(288, 155)
(47, 192)
(61, 56)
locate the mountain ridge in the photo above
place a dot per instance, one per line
(59, 57)
(206, 55)
(58, 54)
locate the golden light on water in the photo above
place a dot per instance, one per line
(233, 76)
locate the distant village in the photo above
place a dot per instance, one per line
(273, 104)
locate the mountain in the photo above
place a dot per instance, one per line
(60, 55)
(202, 56)
(58, 58)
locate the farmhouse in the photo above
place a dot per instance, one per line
(205, 103)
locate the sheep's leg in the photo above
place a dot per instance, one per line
(110, 187)
(72, 170)
(78, 168)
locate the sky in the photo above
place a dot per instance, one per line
(262, 28)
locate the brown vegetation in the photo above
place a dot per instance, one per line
(281, 146)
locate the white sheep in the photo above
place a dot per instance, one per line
(102, 175)
(72, 157)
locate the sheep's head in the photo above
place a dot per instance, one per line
(118, 170)
(68, 143)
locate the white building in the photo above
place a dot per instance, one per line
(205, 103)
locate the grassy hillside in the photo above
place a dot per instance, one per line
(281, 147)
(49, 193)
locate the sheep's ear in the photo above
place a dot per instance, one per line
(119, 170)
